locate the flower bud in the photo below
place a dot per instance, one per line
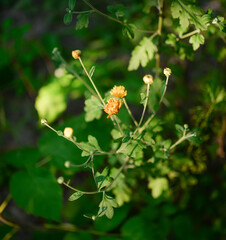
(76, 54)
(148, 79)
(68, 132)
(67, 164)
(43, 121)
(167, 72)
(60, 180)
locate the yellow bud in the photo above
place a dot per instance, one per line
(167, 72)
(76, 54)
(148, 79)
(68, 132)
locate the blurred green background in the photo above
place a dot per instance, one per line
(187, 202)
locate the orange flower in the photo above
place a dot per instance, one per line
(113, 106)
(119, 92)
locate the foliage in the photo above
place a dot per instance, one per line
(141, 174)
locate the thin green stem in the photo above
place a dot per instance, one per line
(183, 138)
(83, 164)
(167, 79)
(112, 18)
(159, 32)
(77, 190)
(124, 164)
(144, 110)
(72, 228)
(72, 71)
(130, 113)
(93, 172)
(78, 12)
(78, 145)
(10, 234)
(101, 13)
(5, 203)
(152, 116)
(118, 124)
(91, 80)
(190, 34)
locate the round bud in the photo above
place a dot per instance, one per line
(93, 218)
(148, 79)
(67, 164)
(60, 180)
(76, 54)
(167, 72)
(68, 132)
(43, 121)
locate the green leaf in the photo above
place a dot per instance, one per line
(102, 179)
(82, 20)
(90, 146)
(142, 54)
(93, 109)
(67, 18)
(37, 192)
(135, 229)
(128, 31)
(106, 206)
(120, 189)
(196, 40)
(178, 12)
(23, 157)
(179, 128)
(75, 196)
(71, 4)
(93, 141)
(158, 186)
(133, 150)
(171, 39)
(142, 98)
(52, 98)
(149, 4)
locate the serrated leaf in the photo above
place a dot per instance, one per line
(142, 54)
(71, 4)
(82, 20)
(171, 39)
(93, 109)
(178, 12)
(93, 141)
(67, 18)
(158, 186)
(75, 196)
(196, 40)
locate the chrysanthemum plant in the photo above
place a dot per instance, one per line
(129, 141)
